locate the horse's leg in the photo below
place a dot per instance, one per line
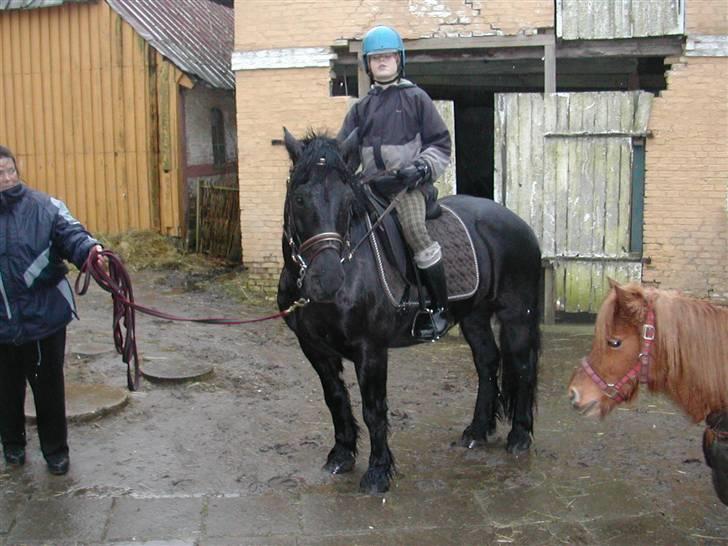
(371, 372)
(342, 456)
(479, 334)
(519, 339)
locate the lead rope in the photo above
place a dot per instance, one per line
(118, 283)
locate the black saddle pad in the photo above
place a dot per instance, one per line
(458, 254)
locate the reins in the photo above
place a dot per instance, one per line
(118, 283)
(641, 368)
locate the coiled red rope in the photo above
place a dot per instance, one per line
(117, 282)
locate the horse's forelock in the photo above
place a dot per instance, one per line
(604, 324)
(318, 146)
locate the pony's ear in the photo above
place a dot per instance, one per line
(293, 145)
(612, 283)
(350, 150)
(631, 302)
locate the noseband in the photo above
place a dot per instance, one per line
(641, 368)
(313, 246)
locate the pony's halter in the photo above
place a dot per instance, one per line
(641, 368)
(304, 254)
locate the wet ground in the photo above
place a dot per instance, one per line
(235, 458)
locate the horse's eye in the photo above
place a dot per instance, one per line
(298, 200)
(614, 343)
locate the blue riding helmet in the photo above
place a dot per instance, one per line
(380, 40)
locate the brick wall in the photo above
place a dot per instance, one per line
(706, 17)
(263, 24)
(686, 191)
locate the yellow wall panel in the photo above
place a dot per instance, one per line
(78, 106)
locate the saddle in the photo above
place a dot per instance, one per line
(395, 264)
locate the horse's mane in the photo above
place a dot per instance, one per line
(315, 147)
(691, 342)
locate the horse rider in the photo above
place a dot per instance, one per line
(402, 134)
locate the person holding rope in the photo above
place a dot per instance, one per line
(37, 232)
(402, 133)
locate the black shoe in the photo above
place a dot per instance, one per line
(430, 325)
(58, 463)
(15, 455)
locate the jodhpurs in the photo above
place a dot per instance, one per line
(411, 213)
(40, 363)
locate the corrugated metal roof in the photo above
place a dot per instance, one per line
(196, 35)
(33, 4)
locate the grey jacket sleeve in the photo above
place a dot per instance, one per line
(70, 237)
(436, 147)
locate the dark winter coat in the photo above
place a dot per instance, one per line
(397, 125)
(37, 232)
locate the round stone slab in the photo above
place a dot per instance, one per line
(172, 368)
(84, 402)
(89, 349)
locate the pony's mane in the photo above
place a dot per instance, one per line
(691, 362)
(315, 147)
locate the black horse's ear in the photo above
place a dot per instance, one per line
(293, 145)
(350, 150)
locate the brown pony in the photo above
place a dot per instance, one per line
(669, 342)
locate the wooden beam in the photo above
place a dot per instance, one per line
(476, 42)
(634, 47)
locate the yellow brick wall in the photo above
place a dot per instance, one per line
(299, 98)
(686, 190)
(706, 17)
(264, 24)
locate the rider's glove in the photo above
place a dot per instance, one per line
(416, 173)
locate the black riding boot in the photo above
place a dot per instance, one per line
(433, 325)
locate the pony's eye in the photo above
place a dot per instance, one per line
(614, 343)
(298, 200)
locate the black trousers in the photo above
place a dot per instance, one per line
(40, 363)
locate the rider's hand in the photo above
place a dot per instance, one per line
(416, 173)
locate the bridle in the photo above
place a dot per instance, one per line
(641, 368)
(305, 253)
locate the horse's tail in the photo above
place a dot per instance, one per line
(521, 373)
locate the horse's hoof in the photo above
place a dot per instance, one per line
(339, 467)
(469, 441)
(339, 461)
(374, 481)
(518, 442)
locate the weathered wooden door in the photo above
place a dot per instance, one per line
(565, 163)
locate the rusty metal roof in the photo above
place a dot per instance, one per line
(196, 35)
(32, 4)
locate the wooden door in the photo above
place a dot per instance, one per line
(565, 163)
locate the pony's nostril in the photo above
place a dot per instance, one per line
(573, 396)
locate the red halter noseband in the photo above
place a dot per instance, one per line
(641, 368)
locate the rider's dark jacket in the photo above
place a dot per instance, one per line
(37, 232)
(398, 124)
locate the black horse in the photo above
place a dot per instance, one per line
(348, 316)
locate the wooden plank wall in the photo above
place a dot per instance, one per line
(77, 106)
(564, 164)
(608, 19)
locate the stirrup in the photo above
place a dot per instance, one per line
(424, 321)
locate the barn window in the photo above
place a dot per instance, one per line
(218, 137)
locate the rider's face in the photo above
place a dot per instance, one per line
(384, 66)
